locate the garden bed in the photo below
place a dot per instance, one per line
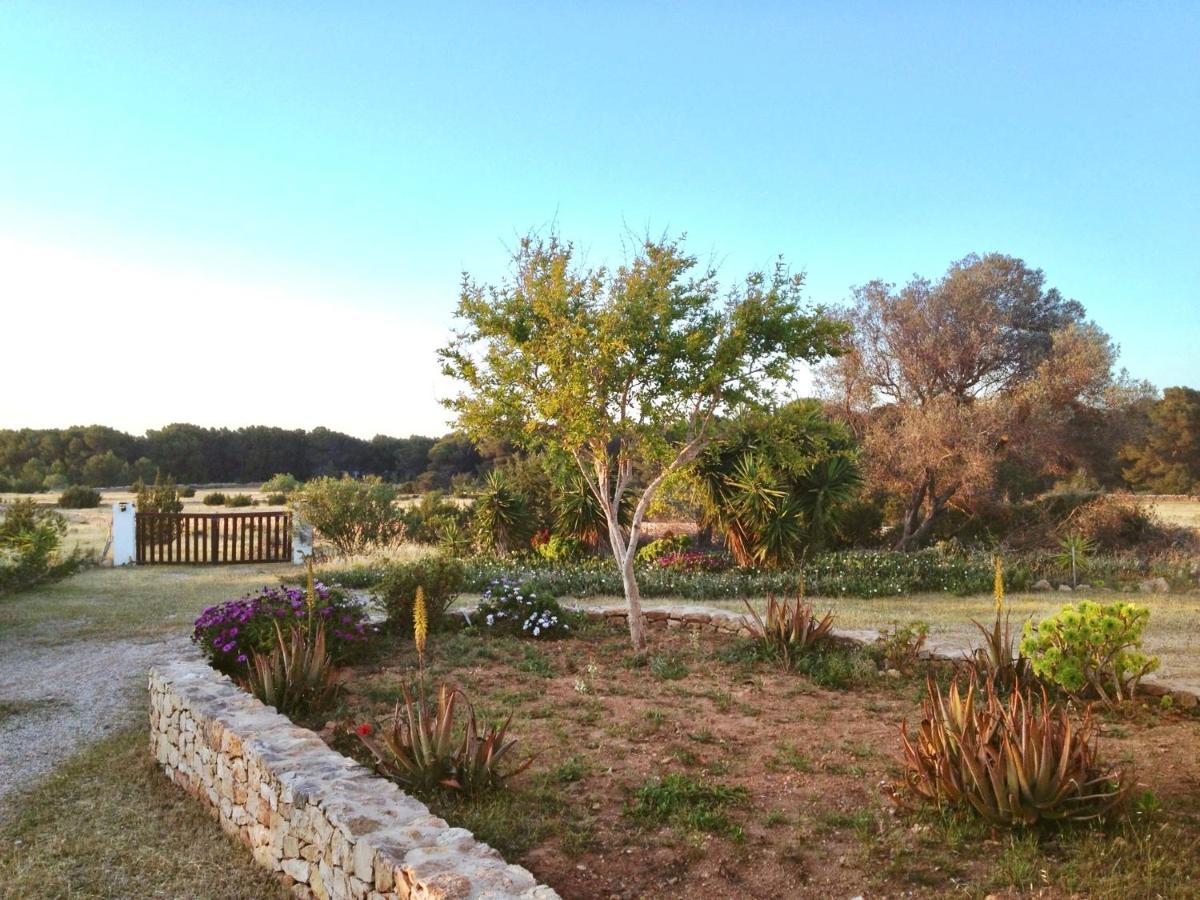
(703, 771)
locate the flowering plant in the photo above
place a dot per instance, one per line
(231, 632)
(694, 561)
(511, 606)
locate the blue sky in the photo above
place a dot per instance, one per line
(290, 189)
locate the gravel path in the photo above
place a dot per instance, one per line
(66, 696)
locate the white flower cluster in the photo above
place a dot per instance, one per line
(539, 620)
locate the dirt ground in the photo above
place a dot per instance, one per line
(813, 765)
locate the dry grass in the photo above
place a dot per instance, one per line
(108, 824)
(1178, 512)
(129, 602)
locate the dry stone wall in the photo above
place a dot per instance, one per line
(326, 824)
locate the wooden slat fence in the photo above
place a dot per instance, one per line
(199, 538)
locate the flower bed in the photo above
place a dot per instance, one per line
(708, 771)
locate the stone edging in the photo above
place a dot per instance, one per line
(726, 622)
(331, 828)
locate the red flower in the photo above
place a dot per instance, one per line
(364, 730)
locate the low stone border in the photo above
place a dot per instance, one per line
(327, 825)
(726, 622)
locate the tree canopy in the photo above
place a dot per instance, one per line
(625, 370)
(944, 380)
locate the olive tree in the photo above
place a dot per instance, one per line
(626, 370)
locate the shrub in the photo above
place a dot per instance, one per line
(297, 677)
(239, 500)
(187, 491)
(1091, 650)
(662, 546)
(281, 483)
(277, 499)
(899, 647)
(440, 577)
(511, 607)
(428, 521)
(355, 516)
(230, 633)
(789, 631)
(216, 498)
(420, 750)
(1014, 762)
(694, 561)
(557, 548)
(30, 547)
(79, 497)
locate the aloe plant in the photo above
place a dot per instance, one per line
(1014, 762)
(297, 677)
(790, 629)
(421, 751)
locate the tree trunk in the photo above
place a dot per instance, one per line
(633, 598)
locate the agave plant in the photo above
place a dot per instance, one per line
(420, 749)
(1015, 762)
(297, 677)
(790, 629)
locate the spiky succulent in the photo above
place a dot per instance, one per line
(790, 629)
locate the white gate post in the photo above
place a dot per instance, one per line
(124, 533)
(302, 541)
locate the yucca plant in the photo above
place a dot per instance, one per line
(297, 677)
(790, 629)
(1015, 762)
(421, 751)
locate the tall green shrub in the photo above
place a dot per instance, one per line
(353, 515)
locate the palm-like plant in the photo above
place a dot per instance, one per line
(502, 520)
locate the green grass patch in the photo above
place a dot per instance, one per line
(690, 804)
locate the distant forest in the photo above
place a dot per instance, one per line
(98, 456)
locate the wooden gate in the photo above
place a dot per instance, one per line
(187, 538)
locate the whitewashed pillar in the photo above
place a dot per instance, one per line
(302, 541)
(124, 533)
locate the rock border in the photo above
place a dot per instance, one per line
(735, 623)
(327, 825)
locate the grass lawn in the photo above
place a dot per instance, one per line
(108, 824)
(1178, 512)
(707, 772)
(129, 602)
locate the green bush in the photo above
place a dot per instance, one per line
(355, 516)
(557, 548)
(187, 492)
(216, 498)
(675, 543)
(239, 500)
(441, 577)
(1091, 650)
(277, 499)
(30, 547)
(79, 497)
(282, 483)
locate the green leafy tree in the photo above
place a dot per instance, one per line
(625, 370)
(1167, 459)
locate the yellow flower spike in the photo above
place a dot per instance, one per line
(420, 624)
(998, 589)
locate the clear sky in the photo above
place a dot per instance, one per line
(234, 213)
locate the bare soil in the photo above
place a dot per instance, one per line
(815, 763)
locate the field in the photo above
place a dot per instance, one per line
(1181, 511)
